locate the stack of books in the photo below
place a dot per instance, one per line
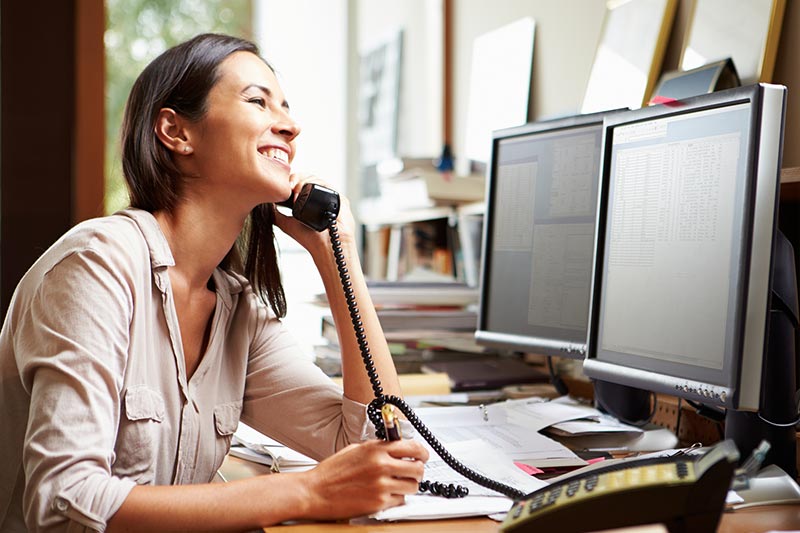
(417, 294)
(422, 322)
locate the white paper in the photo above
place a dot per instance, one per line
(421, 507)
(537, 414)
(481, 501)
(598, 425)
(484, 459)
(490, 424)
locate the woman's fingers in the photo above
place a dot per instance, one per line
(409, 449)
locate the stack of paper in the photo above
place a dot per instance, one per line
(254, 446)
(494, 425)
(565, 417)
(577, 426)
(484, 459)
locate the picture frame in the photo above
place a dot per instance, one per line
(500, 82)
(747, 31)
(627, 62)
(379, 100)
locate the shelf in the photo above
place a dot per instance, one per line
(790, 185)
(380, 216)
(419, 243)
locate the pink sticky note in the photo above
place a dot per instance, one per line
(528, 469)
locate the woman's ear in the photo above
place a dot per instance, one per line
(170, 131)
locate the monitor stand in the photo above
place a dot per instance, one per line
(628, 404)
(778, 379)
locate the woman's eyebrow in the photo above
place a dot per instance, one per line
(267, 92)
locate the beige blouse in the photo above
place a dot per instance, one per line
(93, 390)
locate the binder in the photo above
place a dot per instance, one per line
(680, 84)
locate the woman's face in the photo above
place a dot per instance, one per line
(245, 143)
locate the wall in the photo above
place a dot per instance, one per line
(51, 172)
(787, 72)
(309, 54)
(566, 36)
(420, 130)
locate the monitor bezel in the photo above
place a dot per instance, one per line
(762, 175)
(522, 343)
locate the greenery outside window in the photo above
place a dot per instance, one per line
(136, 32)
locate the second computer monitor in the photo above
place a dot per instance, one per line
(688, 217)
(539, 236)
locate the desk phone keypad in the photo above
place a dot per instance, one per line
(596, 484)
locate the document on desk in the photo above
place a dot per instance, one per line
(602, 424)
(539, 414)
(491, 424)
(564, 415)
(479, 456)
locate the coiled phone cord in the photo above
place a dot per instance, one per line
(374, 407)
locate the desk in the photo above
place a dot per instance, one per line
(463, 525)
(754, 520)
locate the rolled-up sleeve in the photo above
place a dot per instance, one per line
(71, 350)
(289, 398)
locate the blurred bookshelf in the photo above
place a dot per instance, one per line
(431, 244)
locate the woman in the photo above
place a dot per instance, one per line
(135, 343)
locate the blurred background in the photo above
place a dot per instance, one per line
(379, 87)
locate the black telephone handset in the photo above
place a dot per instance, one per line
(317, 206)
(686, 494)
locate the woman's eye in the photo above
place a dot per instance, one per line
(256, 100)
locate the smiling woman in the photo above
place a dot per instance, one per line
(136, 343)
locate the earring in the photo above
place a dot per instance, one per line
(186, 149)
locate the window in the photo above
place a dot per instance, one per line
(136, 32)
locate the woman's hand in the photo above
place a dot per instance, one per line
(308, 238)
(364, 478)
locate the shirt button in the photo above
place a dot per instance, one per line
(62, 505)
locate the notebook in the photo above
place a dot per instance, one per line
(484, 373)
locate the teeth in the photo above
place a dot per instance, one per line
(277, 153)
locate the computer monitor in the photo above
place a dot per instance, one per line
(538, 240)
(538, 248)
(686, 248)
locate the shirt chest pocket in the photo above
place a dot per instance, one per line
(140, 433)
(226, 420)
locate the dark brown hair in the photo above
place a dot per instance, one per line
(180, 79)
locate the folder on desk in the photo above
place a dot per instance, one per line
(480, 373)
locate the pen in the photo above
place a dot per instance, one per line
(390, 423)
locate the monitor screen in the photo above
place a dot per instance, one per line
(539, 236)
(687, 218)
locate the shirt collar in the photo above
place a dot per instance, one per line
(161, 255)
